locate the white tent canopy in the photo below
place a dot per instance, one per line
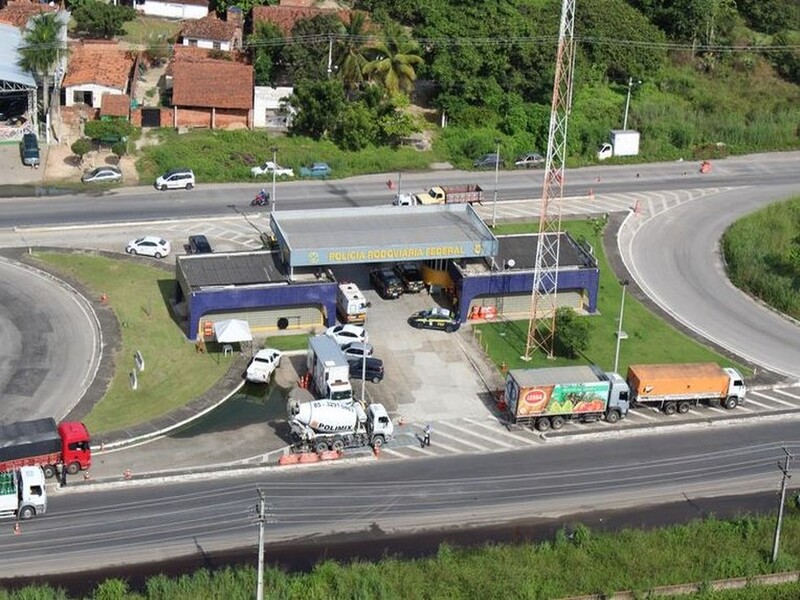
(232, 330)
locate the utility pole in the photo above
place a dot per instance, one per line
(330, 55)
(786, 476)
(274, 169)
(262, 520)
(496, 174)
(620, 333)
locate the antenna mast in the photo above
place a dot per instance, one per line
(542, 323)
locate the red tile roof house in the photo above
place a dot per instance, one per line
(173, 9)
(212, 93)
(286, 15)
(18, 13)
(213, 33)
(96, 68)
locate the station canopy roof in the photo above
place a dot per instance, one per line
(341, 236)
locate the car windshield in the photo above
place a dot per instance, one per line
(262, 359)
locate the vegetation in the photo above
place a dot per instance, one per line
(109, 129)
(81, 147)
(42, 49)
(599, 563)
(97, 19)
(139, 295)
(572, 333)
(650, 339)
(762, 253)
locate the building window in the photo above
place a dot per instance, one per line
(217, 46)
(193, 42)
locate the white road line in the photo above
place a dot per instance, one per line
(773, 399)
(475, 434)
(429, 452)
(785, 393)
(637, 413)
(764, 406)
(386, 450)
(504, 432)
(713, 409)
(439, 432)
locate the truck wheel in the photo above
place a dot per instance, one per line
(321, 447)
(26, 512)
(73, 468)
(449, 328)
(612, 417)
(377, 442)
(49, 471)
(683, 407)
(338, 445)
(557, 422)
(731, 402)
(543, 424)
(670, 408)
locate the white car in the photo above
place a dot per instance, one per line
(176, 179)
(357, 350)
(263, 365)
(149, 245)
(344, 334)
(268, 167)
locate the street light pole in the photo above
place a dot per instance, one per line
(786, 476)
(624, 284)
(262, 518)
(364, 363)
(274, 170)
(496, 174)
(628, 103)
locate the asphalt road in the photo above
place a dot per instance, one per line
(123, 523)
(675, 257)
(50, 345)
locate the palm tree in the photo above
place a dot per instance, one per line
(351, 60)
(42, 48)
(394, 58)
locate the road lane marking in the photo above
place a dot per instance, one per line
(785, 393)
(764, 406)
(773, 399)
(505, 433)
(475, 434)
(439, 432)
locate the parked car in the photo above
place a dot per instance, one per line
(30, 150)
(385, 282)
(263, 365)
(268, 167)
(343, 334)
(373, 368)
(529, 161)
(488, 161)
(317, 170)
(102, 175)
(435, 318)
(149, 245)
(357, 350)
(411, 277)
(176, 179)
(18, 121)
(199, 244)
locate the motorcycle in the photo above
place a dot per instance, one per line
(262, 199)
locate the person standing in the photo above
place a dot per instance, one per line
(426, 435)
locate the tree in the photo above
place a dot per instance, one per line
(356, 128)
(100, 20)
(394, 57)
(42, 48)
(110, 130)
(572, 332)
(318, 105)
(350, 52)
(266, 44)
(307, 56)
(81, 147)
(120, 149)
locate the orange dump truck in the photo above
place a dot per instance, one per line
(676, 388)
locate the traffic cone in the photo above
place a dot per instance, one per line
(591, 194)
(637, 208)
(86, 476)
(126, 473)
(16, 528)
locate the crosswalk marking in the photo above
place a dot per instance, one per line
(507, 434)
(386, 450)
(458, 439)
(785, 393)
(764, 406)
(639, 413)
(479, 435)
(773, 399)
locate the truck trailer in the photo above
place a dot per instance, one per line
(23, 493)
(329, 369)
(623, 142)
(676, 388)
(43, 443)
(327, 425)
(470, 193)
(547, 398)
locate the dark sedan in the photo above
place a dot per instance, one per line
(386, 283)
(411, 277)
(435, 318)
(199, 244)
(374, 368)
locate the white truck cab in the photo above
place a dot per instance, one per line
(22, 493)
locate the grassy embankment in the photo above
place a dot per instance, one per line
(762, 252)
(650, 339)
(576, 562)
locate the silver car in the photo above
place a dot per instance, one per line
(102, 175)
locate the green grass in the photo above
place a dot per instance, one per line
(650, 339)
(762, 252)
(287, 343)
(221, 156)
(138, 294)
(150, 31)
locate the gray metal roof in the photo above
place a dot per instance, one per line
(10, 41)
(522, 248)
(554, 375)
(382, 234)
(236, 268)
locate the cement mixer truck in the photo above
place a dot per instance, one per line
(330, 425)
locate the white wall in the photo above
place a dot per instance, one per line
(172, 10)
(97, 93)
(266, 103)
(226, 46)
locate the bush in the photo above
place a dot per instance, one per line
(120, 149)
(81, 147)
(572, 333)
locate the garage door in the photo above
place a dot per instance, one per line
(269, 321)
(518, 306)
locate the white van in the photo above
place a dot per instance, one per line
(351, 305)
(176, 179)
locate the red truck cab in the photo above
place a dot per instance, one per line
(76, 453)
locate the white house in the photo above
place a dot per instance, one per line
(269, 110)
(213, 33)
(96, 68)
(177, 9)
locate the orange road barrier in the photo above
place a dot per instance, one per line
(330, 455)
(289, 459)
(309, 457)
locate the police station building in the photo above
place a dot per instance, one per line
(293, 287)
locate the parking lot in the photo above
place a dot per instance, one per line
(14, 172)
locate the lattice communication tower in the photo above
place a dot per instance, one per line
(542, 323)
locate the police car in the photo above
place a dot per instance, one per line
(435, 318)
